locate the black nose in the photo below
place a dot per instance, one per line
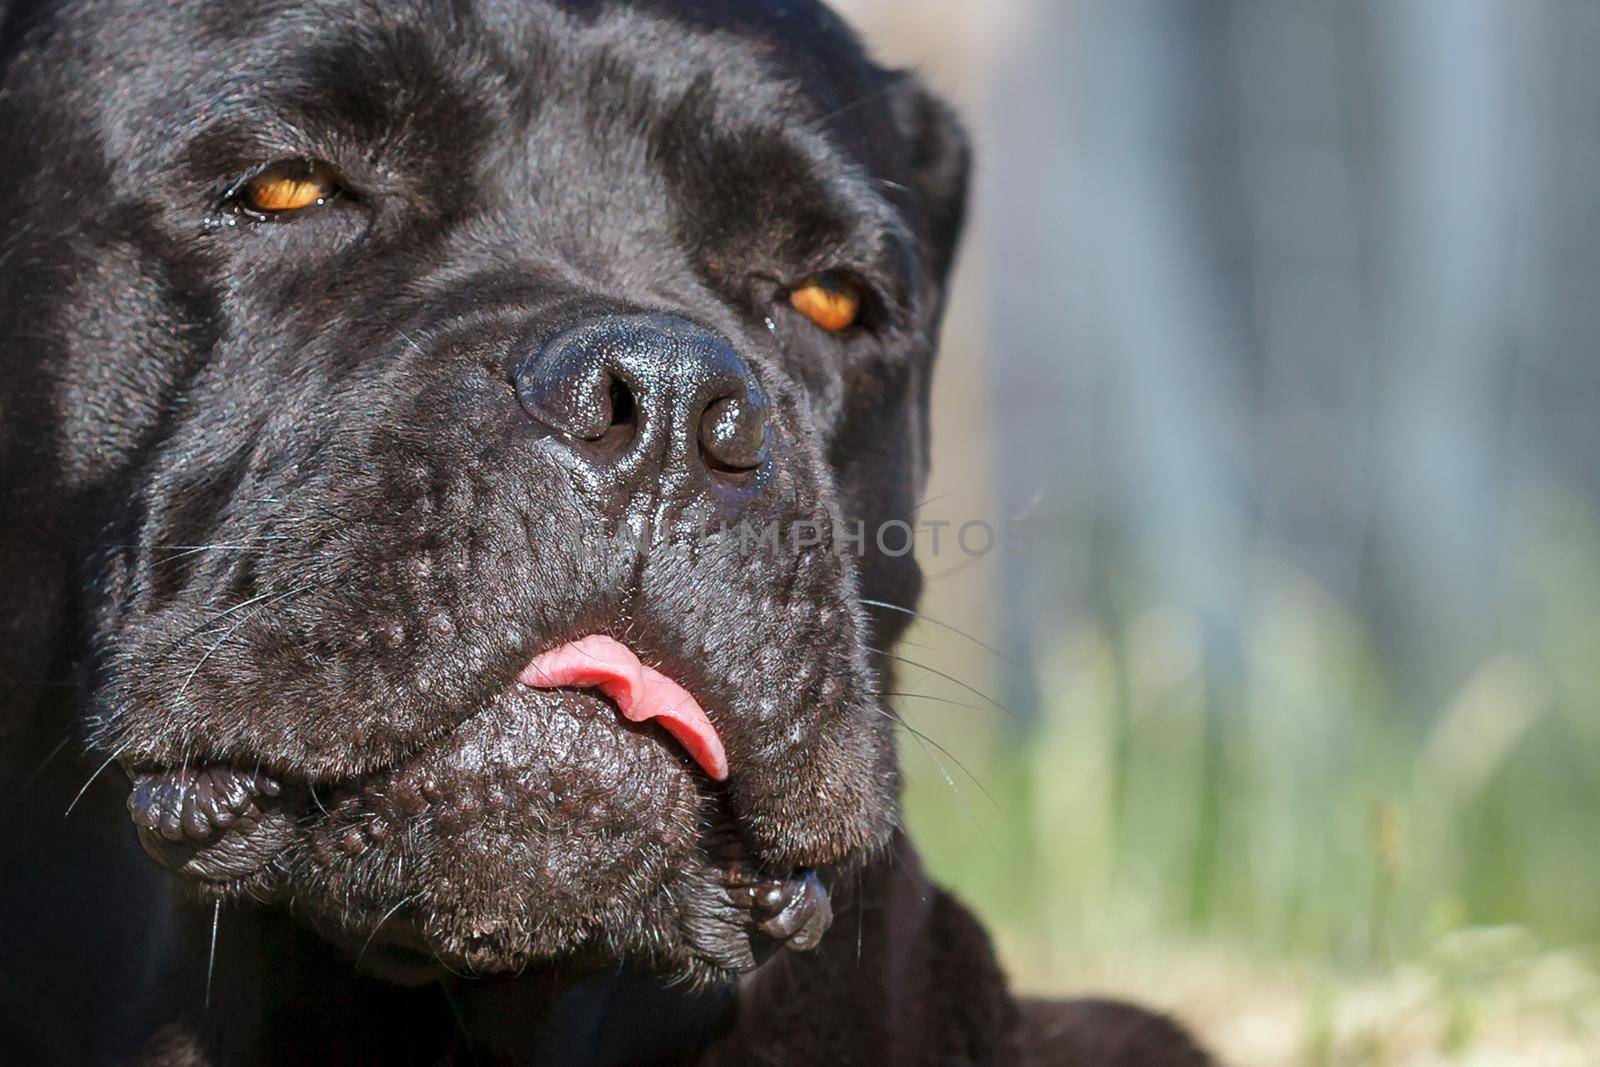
(643, 386)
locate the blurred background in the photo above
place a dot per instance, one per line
(1272, 360)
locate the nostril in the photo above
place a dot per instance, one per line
(624, 410)
(623, 421)
(582, 402)
(733, 434)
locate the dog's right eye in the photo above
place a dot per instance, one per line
(285, 188)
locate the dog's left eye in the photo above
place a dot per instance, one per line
(829, 299)
(286, 187)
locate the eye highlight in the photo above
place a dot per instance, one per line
(829, 299)
(286, 187)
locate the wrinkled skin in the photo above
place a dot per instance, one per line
(290, 501)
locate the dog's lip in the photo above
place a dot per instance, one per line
(648, 695)
(676, 710)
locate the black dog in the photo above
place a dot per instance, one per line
(432, 439)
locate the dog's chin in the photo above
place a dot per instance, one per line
(712, 921)
(544, 829)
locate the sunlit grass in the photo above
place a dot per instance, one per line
(1280, 848)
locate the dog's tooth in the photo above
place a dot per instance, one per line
(806, 912)
(171, 826)
(195, 823)
(232, 789)
(203, 798)
(142, 804)
(769, 897)
(144, 815)
(165, 794)
(817, 915)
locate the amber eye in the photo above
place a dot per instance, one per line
(829, 300)
(288, 186)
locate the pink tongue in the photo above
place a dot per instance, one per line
(641, 692)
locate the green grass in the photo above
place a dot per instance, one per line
(1287, 839)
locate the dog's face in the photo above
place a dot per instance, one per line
(389, 351)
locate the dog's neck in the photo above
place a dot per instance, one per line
(279, 992)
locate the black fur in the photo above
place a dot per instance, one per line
(279, 531)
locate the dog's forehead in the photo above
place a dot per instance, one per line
(729, 118)
(482, 72)
(806, 33)
(785, 53)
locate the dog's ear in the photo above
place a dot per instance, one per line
(940, 157)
